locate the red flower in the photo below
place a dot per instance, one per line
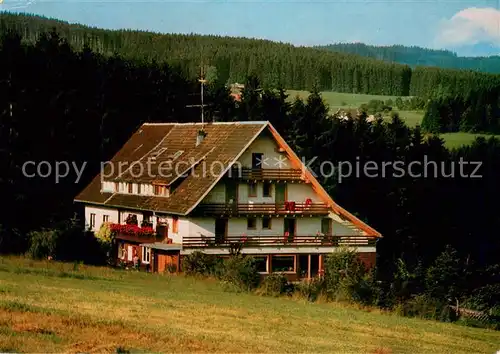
(133, 230)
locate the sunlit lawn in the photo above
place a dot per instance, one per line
(50, 307)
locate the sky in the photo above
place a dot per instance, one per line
(464, 26)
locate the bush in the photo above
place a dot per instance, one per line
(171, 268)
(43, 244)
(199, 263)
(310, 289)
(424, 306)
(274, 285)
(66, 242)
(485, 298)
(344, 272)
(105, 235)
(444, 277)
(240, 272)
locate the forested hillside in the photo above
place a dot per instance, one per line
(417, 56)
(277, 64)
(59, 104)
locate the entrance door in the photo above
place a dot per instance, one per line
(220, 230)
(280, 198)
(326, 226)
(303, 265)
(231, 196)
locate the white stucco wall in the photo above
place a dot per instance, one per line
(244, 198)
(299, 192)
(99, 213)
(266, 145)
(238, 226)
(201, 226)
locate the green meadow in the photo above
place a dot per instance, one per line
(55, 307)
(338, 100)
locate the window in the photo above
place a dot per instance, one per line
(266, 223)
(252, 189)
(130, 190)
(138, 188)
(130, 253)
(105, 218)
(146, 255)
(160, 190)
(283, 264)
(258, 160)
(92, 221)
(175, 224)
(251, 223)
(267, 190)
(121, 251)
(261, 263)
(117, 187)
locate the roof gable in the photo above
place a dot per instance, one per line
(208, 163)
(210, 159)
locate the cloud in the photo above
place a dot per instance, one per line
(9, 5)
(470, 26)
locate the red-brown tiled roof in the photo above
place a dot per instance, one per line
(223, 143)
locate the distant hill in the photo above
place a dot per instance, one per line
(232, 59)
(417, 56)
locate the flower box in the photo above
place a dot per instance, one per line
(132, 230)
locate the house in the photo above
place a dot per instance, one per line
(174, 189)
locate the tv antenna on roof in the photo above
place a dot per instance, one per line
(202, 81)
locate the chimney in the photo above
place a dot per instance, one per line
(201, 135)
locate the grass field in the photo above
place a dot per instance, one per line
(49, 307)
(339, 100)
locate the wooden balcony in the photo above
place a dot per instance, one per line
(275, 241)
(281, 209)
(266, 174)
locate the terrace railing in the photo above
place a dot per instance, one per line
(202, 241)
(274, 174)
(263, 208)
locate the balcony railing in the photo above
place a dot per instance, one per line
(264, 209)
(274, 174)
(274, 241)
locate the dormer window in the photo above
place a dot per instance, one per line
(160, 190)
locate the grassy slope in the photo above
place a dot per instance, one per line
(49, 307)
(336, 100)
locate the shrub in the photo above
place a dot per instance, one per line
(424, 306)
(105, 235)
(274, 285)
(199, 263)
(240, 272)
(343, 273)
(444, 277)
(485, 298)
(43, 243)
(310, 289)
(66, 242)
(171, 268)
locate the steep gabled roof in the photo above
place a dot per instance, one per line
(221, 147)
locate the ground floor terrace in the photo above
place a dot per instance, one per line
(297, 260)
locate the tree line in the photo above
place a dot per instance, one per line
(417, 56)
(276, 64)
(60, 104)
(477, 111)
